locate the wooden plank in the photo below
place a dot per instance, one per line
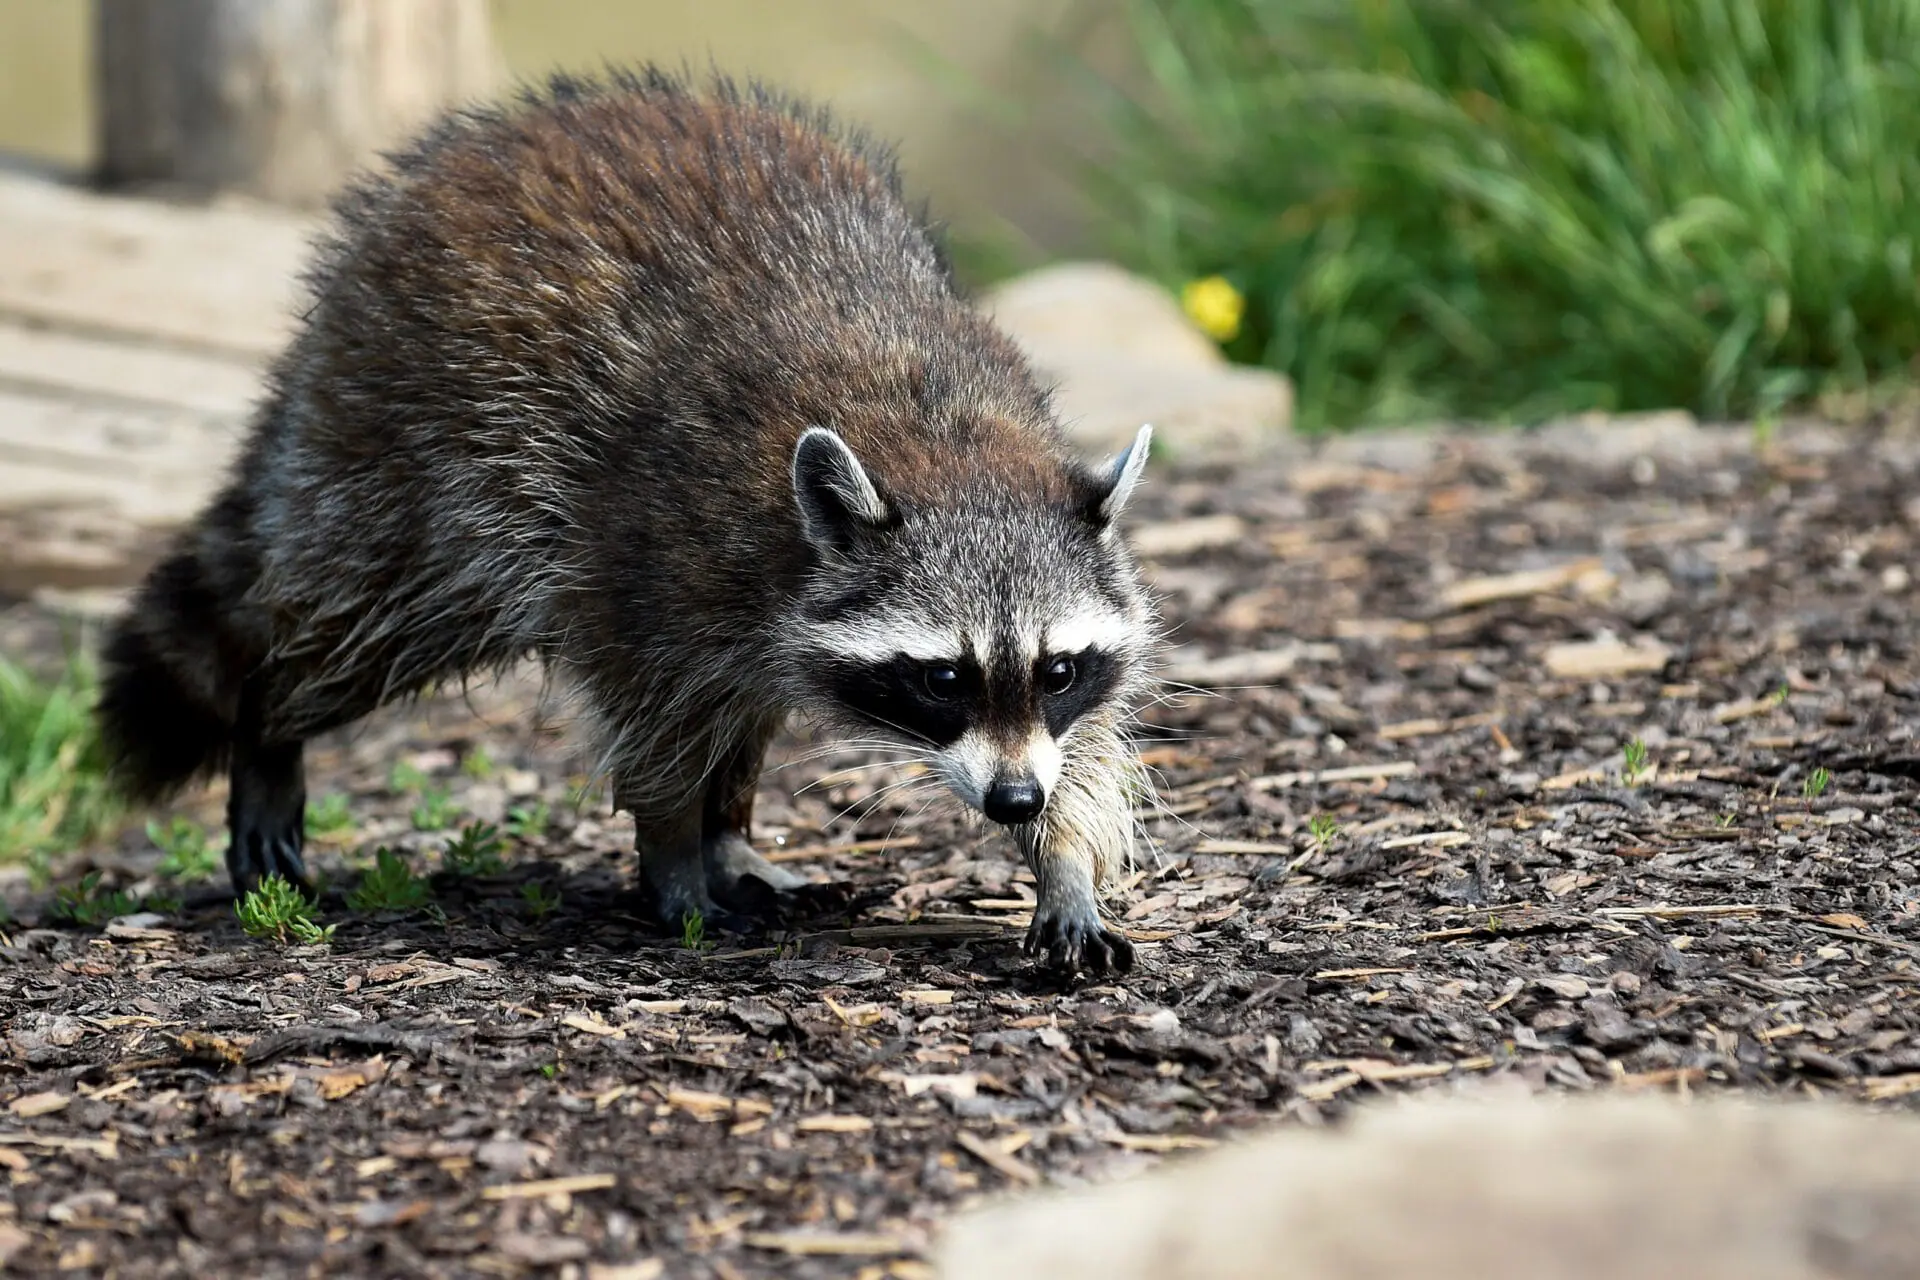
(38, 358)
(153, 466)
(223, 277)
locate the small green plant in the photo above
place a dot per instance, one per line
(541, 901)
(475, 851)
(1323, 828)
(435, 810)
(88, 904)
(329, 816)
(693, 932)
(477, 764)
(1726, 820)
(527, 822)
(388, 885)
(1779, 695)
(277, 909)
(406, 778)
(1817, 783)
(185, 852)
(53, 776)
(1636, 765)
(550, 1069)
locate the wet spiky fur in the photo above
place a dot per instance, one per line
(545, 400)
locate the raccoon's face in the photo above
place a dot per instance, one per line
(980, 631)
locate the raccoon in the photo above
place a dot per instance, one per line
(665, 385)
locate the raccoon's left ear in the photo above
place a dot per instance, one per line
(837, 499)
(1114, 485)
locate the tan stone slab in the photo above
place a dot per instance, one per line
(221, 276)
(1621, 1188)
(39, 358)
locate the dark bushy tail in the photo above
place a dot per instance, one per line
(170, 681)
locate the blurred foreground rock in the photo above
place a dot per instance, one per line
(1614, 1188)
(1124, 353)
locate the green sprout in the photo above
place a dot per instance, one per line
(389, 885)
(693, 932)
(526, 822)
(185, 852)
(277, 909)
(1323, 828)
(1817, 783)
(541, 901)
(475, 851)
(88, 904)
(329, 816)
(477, 764)
(1634, 757)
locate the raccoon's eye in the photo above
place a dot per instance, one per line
(942, 681)
(1058, 675)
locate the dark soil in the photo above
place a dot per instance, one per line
(1411, 846)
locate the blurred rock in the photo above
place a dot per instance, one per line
(1612, 1188)
(1123, 354)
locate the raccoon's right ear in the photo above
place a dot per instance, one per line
(837, 499)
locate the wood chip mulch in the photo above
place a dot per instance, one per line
(1405, 841)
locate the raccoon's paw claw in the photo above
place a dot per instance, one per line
(255, 854)
(1082, 945)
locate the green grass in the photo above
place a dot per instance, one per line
(330, 815)
(53, 785)
(1507, 210)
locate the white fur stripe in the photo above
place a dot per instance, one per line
(1094, 629)
(880, 639)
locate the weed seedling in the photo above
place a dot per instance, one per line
(1634, 757)
(475, 851)
(693, 932)
(185, 853)
(1323, 828)
(1816, 784)
(278, 910)
(88, 904)
(329, 816)
(435, 810)
(389, 885)
(526, 822)
(477, 764)
(541, 901)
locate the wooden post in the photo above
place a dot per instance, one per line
(281, 99)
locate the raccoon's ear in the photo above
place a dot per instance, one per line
(837, 500)
(1114, 485)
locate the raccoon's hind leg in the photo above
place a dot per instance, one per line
(1074, 847)
(266, 816)
(737, 876)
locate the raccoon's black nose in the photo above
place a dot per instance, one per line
(1014, 800)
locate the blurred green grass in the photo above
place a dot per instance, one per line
(54, 793)
(1508, 211)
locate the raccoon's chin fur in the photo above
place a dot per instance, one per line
(1090, 815)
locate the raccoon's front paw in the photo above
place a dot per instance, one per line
(1078, 942)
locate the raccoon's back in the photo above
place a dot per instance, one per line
(597, 255)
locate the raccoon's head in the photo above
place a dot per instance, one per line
(981, 628)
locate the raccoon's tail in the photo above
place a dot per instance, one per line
(172, 671)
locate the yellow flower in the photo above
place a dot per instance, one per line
(1215, 305)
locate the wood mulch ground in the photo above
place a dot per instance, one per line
(1407, 842)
